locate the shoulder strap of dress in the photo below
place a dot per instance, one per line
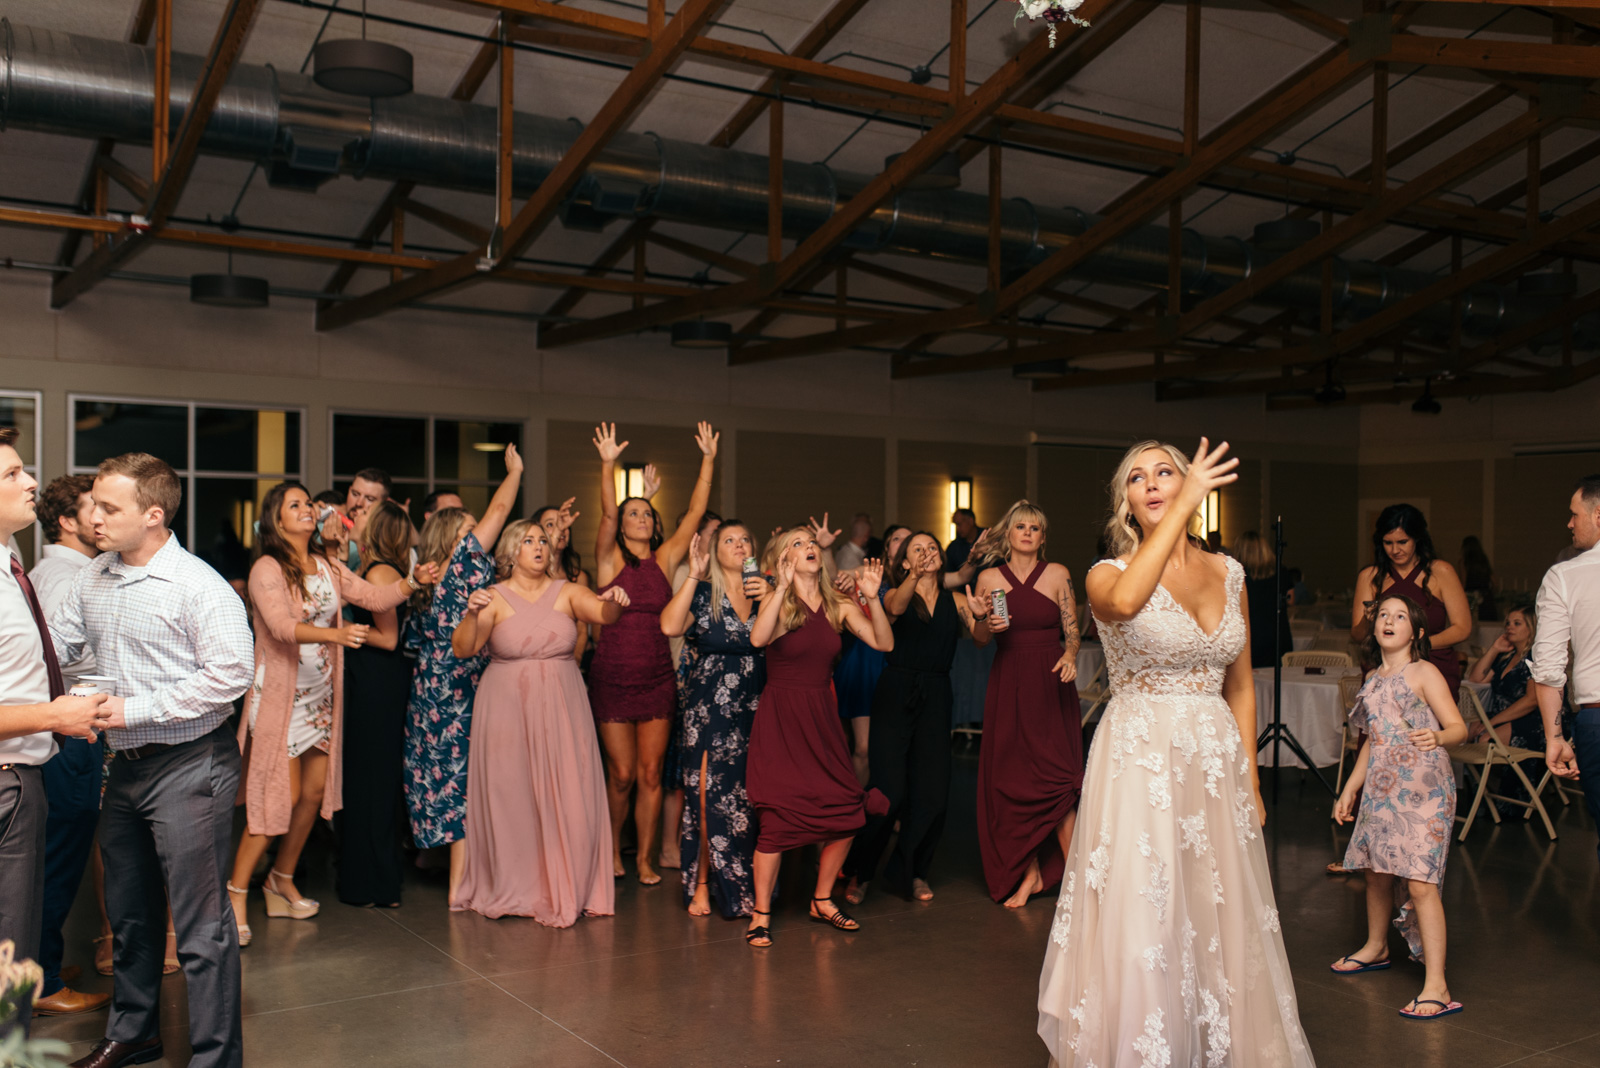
(1033, 576)
(1011, 576)
(1112, 560)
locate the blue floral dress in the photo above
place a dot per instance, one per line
(1408, 803)
(1507, 686)
(720, 681)
(439, 714)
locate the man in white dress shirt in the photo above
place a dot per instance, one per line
(72, 776)
(172, 636)
(32, 709)
(1569, 616)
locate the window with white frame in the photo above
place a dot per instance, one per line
(20, 409)
(423, 454)
(228, 456)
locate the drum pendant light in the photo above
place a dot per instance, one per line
(359, 67)
(229, 290)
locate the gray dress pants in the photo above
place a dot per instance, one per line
(23, 810)
(165, 831)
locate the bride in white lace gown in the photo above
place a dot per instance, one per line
(1165, 951)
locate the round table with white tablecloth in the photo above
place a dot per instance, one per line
(1313, 711)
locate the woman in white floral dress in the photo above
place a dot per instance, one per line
(1165, 951)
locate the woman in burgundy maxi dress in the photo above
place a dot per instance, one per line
(799, 777)
(1030, 767)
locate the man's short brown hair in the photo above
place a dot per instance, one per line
(60, 498)
(156, 483)
(9, 435)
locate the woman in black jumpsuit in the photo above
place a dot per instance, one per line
(908, 748)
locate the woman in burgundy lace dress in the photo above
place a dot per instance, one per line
(632, 687)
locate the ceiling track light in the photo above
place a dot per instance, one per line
(1427, 404)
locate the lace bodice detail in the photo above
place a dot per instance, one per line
(1162, 651)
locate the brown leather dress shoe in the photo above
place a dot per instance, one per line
(67, 1001)
(109, 1054)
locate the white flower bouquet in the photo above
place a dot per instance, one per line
(1052, 12)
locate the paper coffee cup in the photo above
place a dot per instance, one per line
(83, 688)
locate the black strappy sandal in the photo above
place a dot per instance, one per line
(762, 931)
(841, 920)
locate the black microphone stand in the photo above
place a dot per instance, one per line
(1277, 731)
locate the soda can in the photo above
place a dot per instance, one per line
(997, 605)
(89, 685)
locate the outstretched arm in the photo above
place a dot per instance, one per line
(605, 536)
(876, 631)
(673, 550)
(505, 498)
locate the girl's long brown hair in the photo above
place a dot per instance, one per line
(387, 538)
(270, 541)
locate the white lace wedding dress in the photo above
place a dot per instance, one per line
(1165, 951)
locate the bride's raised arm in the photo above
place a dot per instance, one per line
(1120, 594)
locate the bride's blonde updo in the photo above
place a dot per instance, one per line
(1122, 530)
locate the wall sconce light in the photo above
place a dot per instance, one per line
(960, 497)
(1210, 514)
(630, 481)
(244, 522)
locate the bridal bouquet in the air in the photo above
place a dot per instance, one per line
(1052, 11)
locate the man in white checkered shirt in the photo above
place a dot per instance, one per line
(174, 636)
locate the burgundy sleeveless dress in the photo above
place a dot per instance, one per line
(1030, 768)
(1436, 619)
(801, 783)
(631, 678)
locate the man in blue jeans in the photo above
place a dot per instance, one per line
(1569, 615)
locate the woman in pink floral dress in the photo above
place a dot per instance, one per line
(1408, 800)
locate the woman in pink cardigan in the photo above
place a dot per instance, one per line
(291, 725)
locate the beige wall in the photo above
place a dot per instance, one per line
(999, 476)
(786, 478)
(1316, 501)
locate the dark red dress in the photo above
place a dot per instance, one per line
(1030, 768)
(631, 677)
(1436, 618)
(801, 783)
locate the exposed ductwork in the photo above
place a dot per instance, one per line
(69, 84)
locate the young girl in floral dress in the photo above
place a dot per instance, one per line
(1408, 801)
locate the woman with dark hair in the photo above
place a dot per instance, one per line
(292, 728)
(377, 678)
(443, 685)
(1260, 564)
(800, 780)
(910, 748)
(1404, 564)
(855, 676)
(1477, 576)
(1030, 769)
(557, 523)
(632, 688)
(721, 678)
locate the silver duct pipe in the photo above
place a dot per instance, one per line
(65, 83)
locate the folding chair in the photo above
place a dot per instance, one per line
(1317, 658)
(1564, 790)
(1479, 758)
(1349, 686)
(1094, 695)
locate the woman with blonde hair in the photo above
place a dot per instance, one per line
(439, 713)
(538, 829)
(1166, 937)
(800, 779)
(1031, 765)
(1260, 564)
(292, 728)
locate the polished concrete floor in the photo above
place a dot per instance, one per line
(947, 983)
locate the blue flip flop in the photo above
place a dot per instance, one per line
(1366, 966)
(1444, 1010)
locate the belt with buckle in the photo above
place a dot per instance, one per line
(148, 749)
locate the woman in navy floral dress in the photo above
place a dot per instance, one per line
(1408, 799)
(439, 714)
(720, 683)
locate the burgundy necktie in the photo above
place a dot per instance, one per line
(58, 685)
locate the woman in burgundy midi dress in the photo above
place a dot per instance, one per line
(1030, 769)
(632, 687)
(799, 777)
(1404, 564)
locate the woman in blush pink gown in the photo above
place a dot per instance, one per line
(538, 828)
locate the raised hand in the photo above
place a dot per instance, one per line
(845, 582)
(706, 439)
(652, 481)
(513, 461)
(1207, 471)
(566, 516)
(977, 606)
(820, 531)
(425, 574)
(605, 443)
(699, 559)
(616, 594)
(479, 600)
(929, 564)
(785, 568)
(353, 636)
(870, 578)
(1067, 667)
